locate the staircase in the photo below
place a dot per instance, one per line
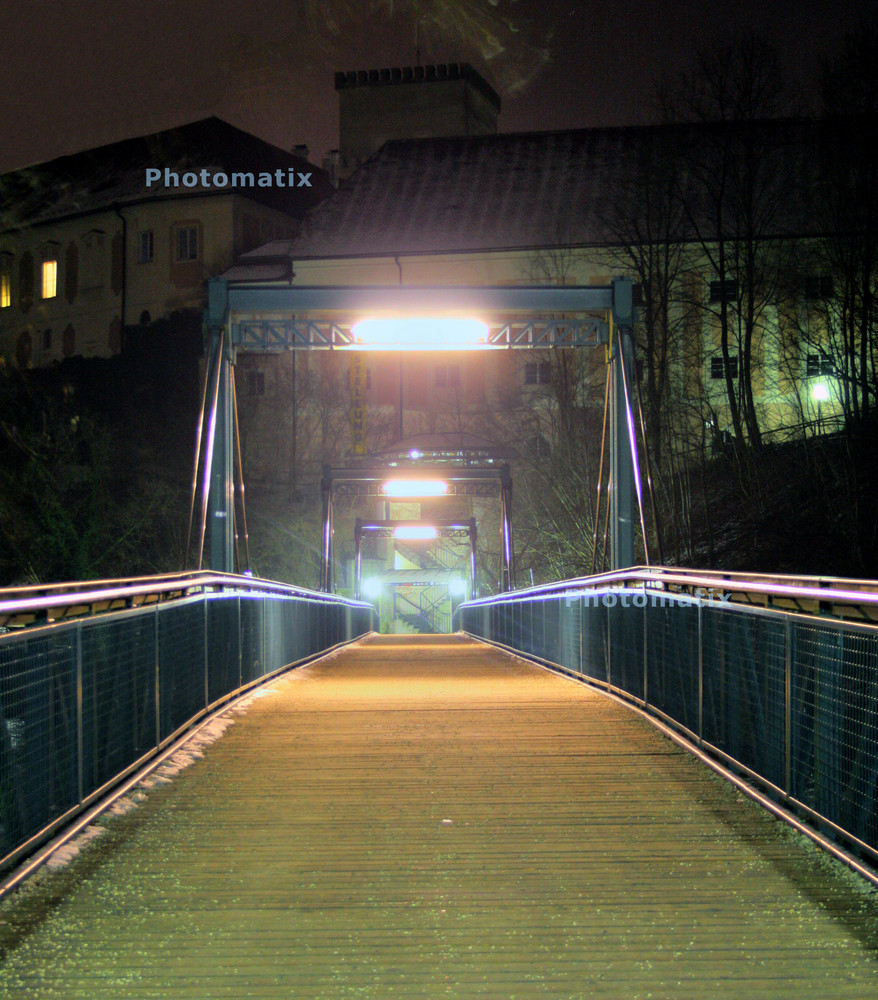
(425, 614)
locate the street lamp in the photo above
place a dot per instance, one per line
(420, 333)
(413, 488)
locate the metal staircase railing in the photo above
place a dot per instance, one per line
(423, 614)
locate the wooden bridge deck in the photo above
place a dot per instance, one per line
(425, 817)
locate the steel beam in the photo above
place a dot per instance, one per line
(621, 458)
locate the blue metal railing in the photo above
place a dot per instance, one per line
(85, 701)
(788, 696)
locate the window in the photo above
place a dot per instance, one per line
(724, 291)
(255, 383)
(187, 243)
(448, 376)
(147, 247)
(5, 288)
(718, 371)
(818, 364)
(538, 373)
(50, 279)
(818, 286)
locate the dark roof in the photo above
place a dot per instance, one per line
(528, 190)
(99, 178)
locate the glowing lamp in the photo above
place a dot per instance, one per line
(820, 392)
(415, 488)
(372, 587)
(415, 532)
(420, 333)
(457, 587)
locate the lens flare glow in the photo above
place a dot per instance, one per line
(415, 488)
(457, 587)
(415, 532)
(372, 587)
(420, 333)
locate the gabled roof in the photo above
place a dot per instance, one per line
(98, 179)
(526, 190)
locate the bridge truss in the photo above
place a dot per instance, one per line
(272, 318)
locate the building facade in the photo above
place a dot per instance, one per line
(122, 236)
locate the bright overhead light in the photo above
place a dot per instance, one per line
(820, 392)
(415, 488)
(420, 333)
(415, 532)
(372, 587)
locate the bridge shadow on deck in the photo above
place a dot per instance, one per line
(425, 816)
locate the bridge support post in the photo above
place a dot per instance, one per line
(473, 581)
(326, 490)
(507, 551)
(622, 459)
(221, 496)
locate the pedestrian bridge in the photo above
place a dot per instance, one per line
(434, 816)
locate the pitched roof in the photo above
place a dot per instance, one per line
(99, 178)
(521, 190)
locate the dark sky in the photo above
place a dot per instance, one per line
(79, 74)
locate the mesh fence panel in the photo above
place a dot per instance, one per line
(570, 634)
(223, 653)
(626, 627)
(81, 702)
(790, 698)
(672, 661)
(38, 733)
(252, 632)
(744, 671)
(594, 639)
(118, 695)
(834, 726)
(181, 664)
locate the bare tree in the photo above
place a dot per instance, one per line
(849, 201)
(731, 192)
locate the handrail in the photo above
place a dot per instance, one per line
(837, 591)
(19, 601)
(783, 694)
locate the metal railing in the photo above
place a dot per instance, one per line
(786, 697)
(86, 700)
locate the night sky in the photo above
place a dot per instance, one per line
(79, 74)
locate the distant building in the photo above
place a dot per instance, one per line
(412, 102)
(97, 243)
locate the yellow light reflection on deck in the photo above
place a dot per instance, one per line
(420, 333)
(415, 488)
(415, 532)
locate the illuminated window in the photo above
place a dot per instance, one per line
(5, 288)
(50, 279)
(187, 243)
(147, 247)
(718, 371)
(538, 373)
